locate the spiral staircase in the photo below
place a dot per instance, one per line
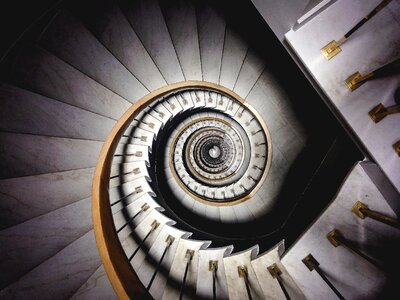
(172, 149)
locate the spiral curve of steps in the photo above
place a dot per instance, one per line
(209, 178)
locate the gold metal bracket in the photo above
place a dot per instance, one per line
(362, 210)
(242, 270)
(138, 189)
(357, 209)
(274, 270)
(213, 265)
(380, 111)
(189, 254)
(310, 262)
(396, 147)
(145, 207)
(332, 237)
(355, 80)
(170, 239)
(154, 225)
(331, 50)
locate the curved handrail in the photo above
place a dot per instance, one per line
(119, 271)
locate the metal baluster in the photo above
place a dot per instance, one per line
(276, 273)
(170, 239)
(337, 239)
(154, 226)
(362, 211)
(333, 47)
(243, 274)
(213, 267)
(142, 209)
(312, 264)
(189, 255)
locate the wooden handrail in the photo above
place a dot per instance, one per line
(119, 271)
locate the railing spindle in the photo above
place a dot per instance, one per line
(312, 264)
(337, 239)
(142, 209)
(243, 274)
(276, 273)
(362, 211)
(333, 48)
(189, 255)
(170, 239)
(154, 226)
(213, 267)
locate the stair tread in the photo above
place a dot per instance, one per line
(72, 42)
(27, 112)
(75, 263)
(180, 17)
(28, 197)
(211, 31)
(114, 31)
(28, 244)
(97, 287)
(24, 154)
(44, 73)
(235, 49)
(148, 22)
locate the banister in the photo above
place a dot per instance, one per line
(123, 278)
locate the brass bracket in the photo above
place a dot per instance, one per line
(242, 270)
(170, 239)
(357, 209)
(154, 225)
(377, 113)
(353, 81)
(213, 265)
(189, 254)
(331, 49)
(138, 189)
(310, 262)
(274, 270)
(332, 237)
(396, 147)
(380, 111)
(145, 207)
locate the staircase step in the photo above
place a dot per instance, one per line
(375, 239)
(270, 285)
(180, 17)
(45, 74)
(236, 284)
(122, 218)
(28, 197)
(204, 284)
(235, 50)
(130, 243)
(126, 153)
(211, 31)
(148, 267)
(96, 287)
(178, 267)
(250, 71)
(137, 169)
(75, 264)
(113, 30)
(27, 112)
(28, 244)
(72, 42)
(24, 154)
(148, 22)
(130, 191)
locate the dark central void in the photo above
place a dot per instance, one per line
(314, 177)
